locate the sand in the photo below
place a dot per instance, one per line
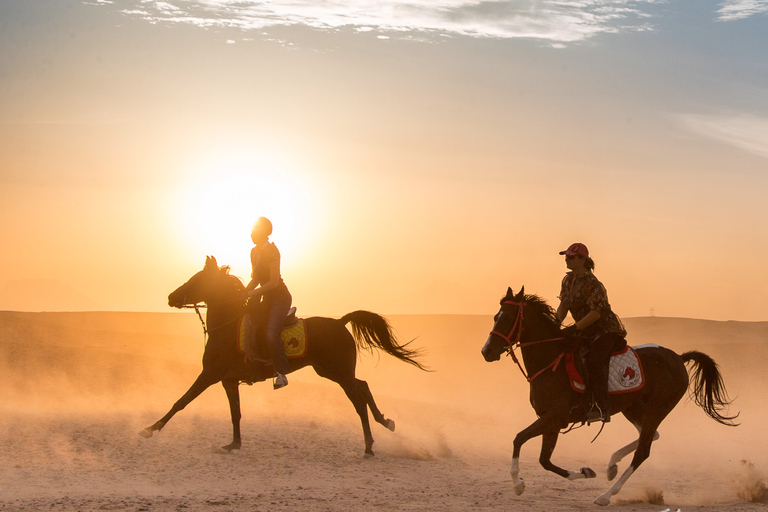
(77, 388)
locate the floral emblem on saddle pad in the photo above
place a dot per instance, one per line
(626, 373)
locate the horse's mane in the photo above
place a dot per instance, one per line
(234, 281)
(537, 306)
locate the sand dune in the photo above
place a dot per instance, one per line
(77, 387)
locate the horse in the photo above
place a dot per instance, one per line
(528, 322)
(332, 350)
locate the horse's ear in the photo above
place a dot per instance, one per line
(521, 295)
(210, 262)
(510, 293)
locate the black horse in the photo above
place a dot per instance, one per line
(332, 350)
(528, 322)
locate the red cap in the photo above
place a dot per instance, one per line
(577, 248)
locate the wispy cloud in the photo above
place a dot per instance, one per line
(747, 132)
(731, 10)
(555, 21)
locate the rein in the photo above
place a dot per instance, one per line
(206, 331)
(511, 345)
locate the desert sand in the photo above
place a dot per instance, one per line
(77, 387)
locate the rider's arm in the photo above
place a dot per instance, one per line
(590, 318)
(274, 280)
(562, 311)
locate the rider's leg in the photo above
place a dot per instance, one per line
(250, 336)
(278, 309)
(254, 326)
(598, 360)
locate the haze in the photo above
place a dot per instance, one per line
(77, 387)
(414, 159)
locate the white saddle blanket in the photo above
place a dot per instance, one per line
(625, 373)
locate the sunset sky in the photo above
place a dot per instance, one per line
(414, 157)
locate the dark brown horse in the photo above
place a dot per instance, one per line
(527, 322)
(332, 350)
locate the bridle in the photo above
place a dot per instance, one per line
(206, 331)
(197, 307)
(511, 345)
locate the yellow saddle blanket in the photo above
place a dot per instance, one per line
(294, 338)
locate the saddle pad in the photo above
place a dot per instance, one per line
(625, 373)
(295, 340)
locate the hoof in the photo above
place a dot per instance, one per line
(368, 455)
(229, 448)
(588, 473)
(519, 487)
(145, 433)
(612, 472)
(602, 501)
(391, 425)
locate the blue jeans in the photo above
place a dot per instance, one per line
(274, 312)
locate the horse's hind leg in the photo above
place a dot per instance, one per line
(352, 390)
(634, 414)
(548, 442)
(648, 432)
(365, 391)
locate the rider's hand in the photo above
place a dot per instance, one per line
(569, 331)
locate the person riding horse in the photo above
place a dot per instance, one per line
(268, 298)
(585, 297)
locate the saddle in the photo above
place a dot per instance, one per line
(290, 318)
(625, 372)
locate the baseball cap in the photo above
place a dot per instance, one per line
(577, 248)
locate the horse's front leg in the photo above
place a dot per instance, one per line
(233, 395)
(548, 442)
(203, 382)
(537, 428)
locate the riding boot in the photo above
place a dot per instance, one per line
(600, 410)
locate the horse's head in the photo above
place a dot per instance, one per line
(507, 324)
(204, 286)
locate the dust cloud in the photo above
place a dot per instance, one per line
(77, 387)
(752, 484)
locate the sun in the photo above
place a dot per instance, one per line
(228, 193)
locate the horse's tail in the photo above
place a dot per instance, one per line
(708, 387)
(373, 331)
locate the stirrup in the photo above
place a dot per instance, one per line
(596, 414)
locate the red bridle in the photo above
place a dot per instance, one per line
(517, 343)
(518, 321)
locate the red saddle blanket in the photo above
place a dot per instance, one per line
(625, 372)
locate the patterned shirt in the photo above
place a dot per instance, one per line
(583, 293)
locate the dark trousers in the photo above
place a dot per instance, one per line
(597, 362)
(269, 316)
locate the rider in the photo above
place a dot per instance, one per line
(586, 299)
(269, 298)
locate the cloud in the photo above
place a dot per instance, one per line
(747, 132)
(739, 9)
(556, 21)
